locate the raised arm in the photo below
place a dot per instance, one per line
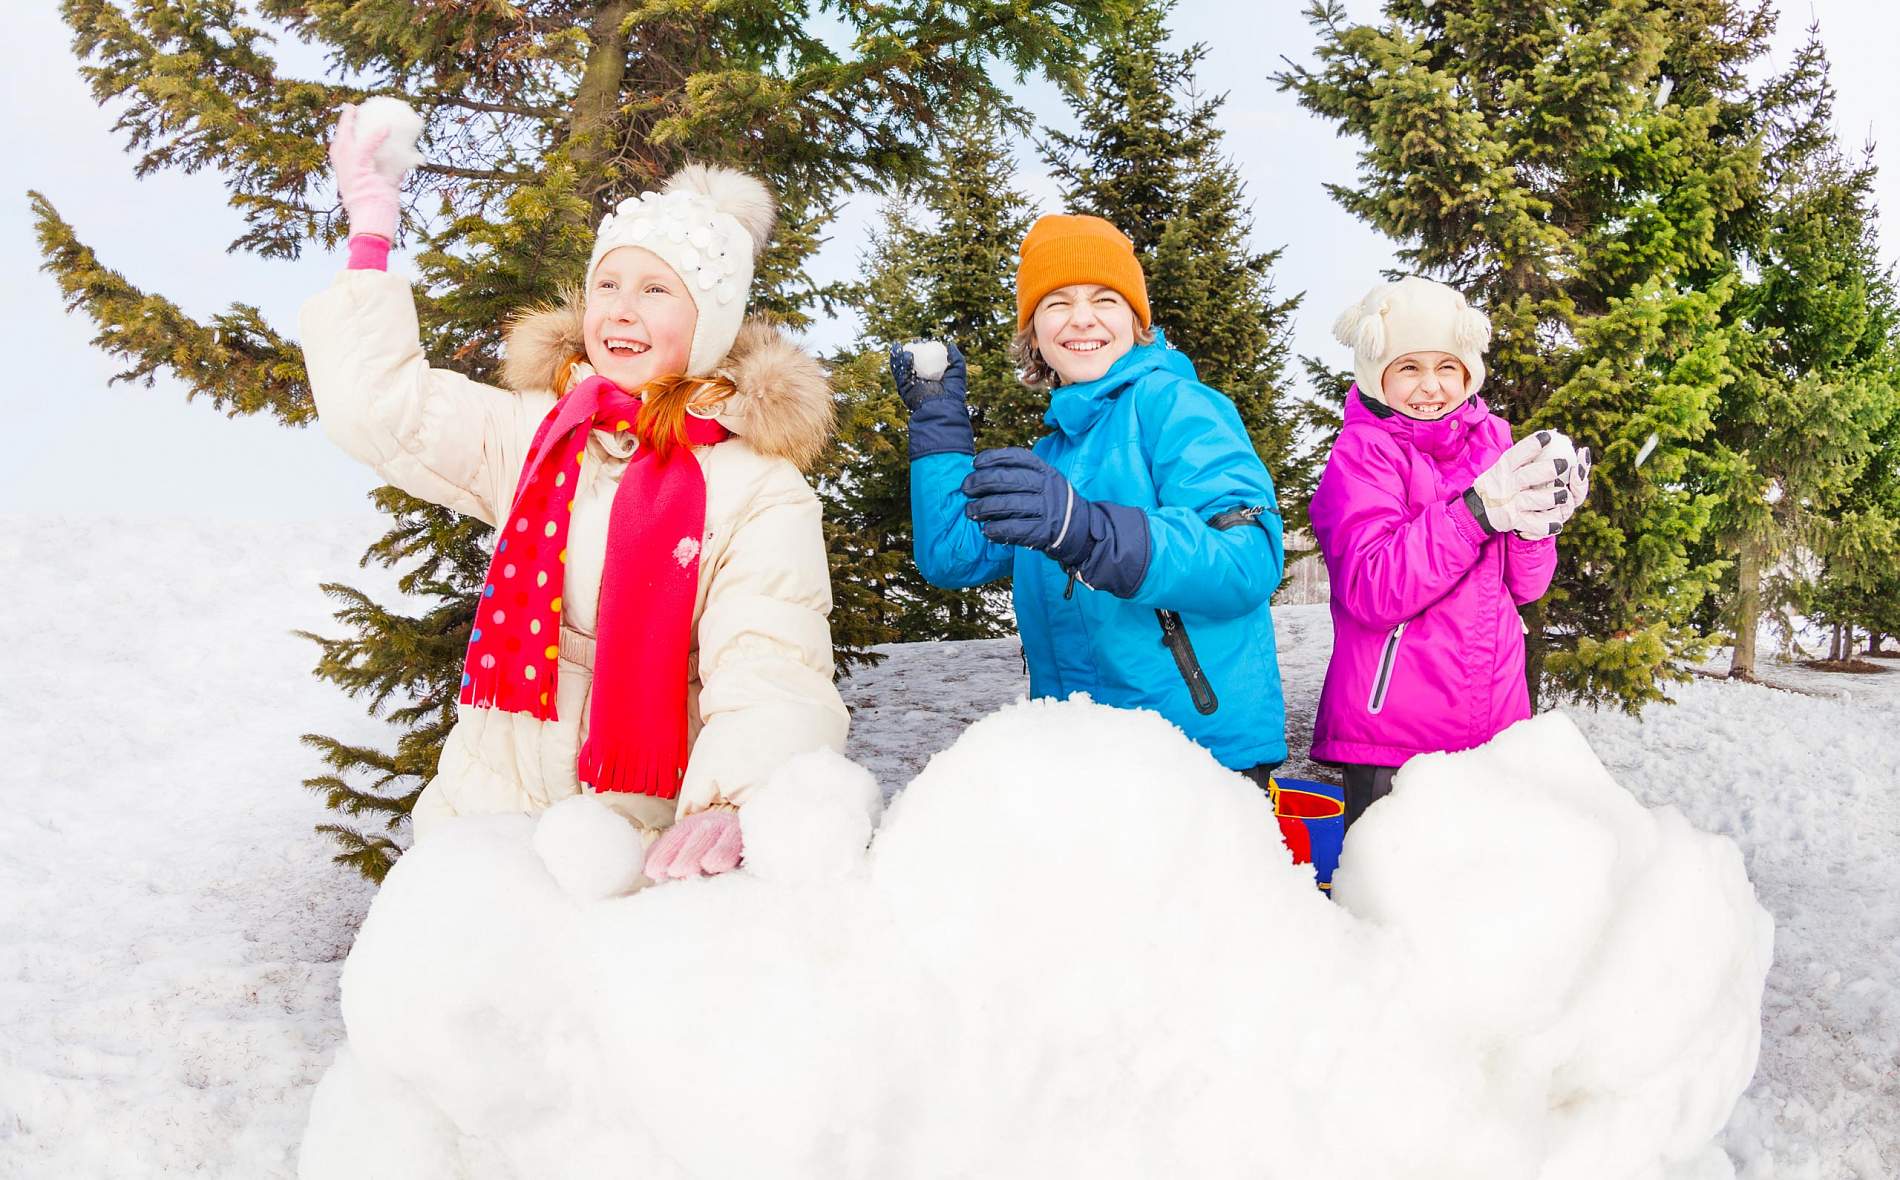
(431, 432)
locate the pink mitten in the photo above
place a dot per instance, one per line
(371, 199)
(705, 842)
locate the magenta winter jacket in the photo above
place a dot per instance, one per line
(1428, 650)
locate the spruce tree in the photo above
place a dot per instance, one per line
(1317, 415)
(1147, 157)
(1583, 170)
(1795, 431)
(942, 266)
(540, 114)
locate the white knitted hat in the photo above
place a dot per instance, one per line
(709, 224)
(1412, 315)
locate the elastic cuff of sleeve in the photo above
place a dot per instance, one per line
(369, 252)
(1117, 559)
(941, 424)
(1471, 523)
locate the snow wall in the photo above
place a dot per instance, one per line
(1076, 947)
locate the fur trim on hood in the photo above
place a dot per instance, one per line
(783, 406)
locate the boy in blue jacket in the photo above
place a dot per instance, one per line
(1142, 534)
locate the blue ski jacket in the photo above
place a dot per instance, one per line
(1194, 640)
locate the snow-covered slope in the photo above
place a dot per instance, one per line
(170, 926)
(171, 930)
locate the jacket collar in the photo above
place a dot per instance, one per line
(782, 408)
(1075, 408)
(1441, 438)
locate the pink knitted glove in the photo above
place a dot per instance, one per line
(372, 200)
(705, 842)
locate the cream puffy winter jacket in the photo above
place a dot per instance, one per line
(760, 670)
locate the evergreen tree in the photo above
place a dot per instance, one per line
(540, 114)
(941, 267)
(1795, 432)
(1147, 157)
(1318, 414)
(1583, 170)
(1856, 541)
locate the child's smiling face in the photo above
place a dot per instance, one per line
(638, 324)
(1082, 330)
(1425, 385)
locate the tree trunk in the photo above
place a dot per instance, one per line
(1834, 644)
(591, 133)
(1741, 665)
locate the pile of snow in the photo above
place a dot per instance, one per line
(1075, 946)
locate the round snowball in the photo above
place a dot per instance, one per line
(812, 820)
(592, 850)
(398, 153)
(929, 358)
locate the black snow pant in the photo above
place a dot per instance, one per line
(1365, 785)
(1261, 773)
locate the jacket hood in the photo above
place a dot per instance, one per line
(1074, 408)
(782, 408)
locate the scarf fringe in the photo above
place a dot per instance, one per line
(636, 771)
(487, 688)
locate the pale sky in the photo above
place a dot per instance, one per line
(71, 444)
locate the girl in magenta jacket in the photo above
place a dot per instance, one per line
(1435, 529)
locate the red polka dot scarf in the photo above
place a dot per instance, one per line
(636, 739)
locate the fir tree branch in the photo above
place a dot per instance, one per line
(237, 360)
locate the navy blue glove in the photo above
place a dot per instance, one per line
(1020, 500)
(939, 418)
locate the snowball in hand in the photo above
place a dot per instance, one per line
(812, 820)
(397, 154)
(1073, 912)
(591, 849)
(929, 358)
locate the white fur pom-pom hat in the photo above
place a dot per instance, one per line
(709, 224)
(1412, 315)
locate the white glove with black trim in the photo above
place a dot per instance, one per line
(1523, 492)
(1572, 463)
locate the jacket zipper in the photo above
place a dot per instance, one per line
(1388, 657)
(1175, 637)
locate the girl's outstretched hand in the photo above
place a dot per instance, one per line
(705, 843)
(370, 199)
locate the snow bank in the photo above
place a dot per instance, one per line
(1074, 947)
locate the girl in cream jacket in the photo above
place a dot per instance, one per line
(653, 624)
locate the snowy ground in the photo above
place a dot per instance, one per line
(171, 929)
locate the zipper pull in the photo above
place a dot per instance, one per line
(1068, 591)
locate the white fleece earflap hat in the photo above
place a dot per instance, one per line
(1412, 315)
(709, 224)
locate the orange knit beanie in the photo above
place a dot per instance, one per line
(1067, 248)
